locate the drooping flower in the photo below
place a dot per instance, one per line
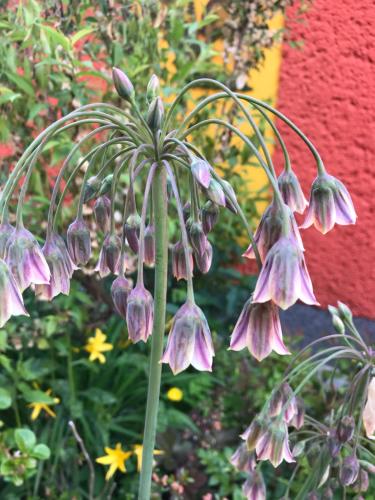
(345, 428)
(254, 487)
(189, 341)
(11, 302)
(330, 204)
(26, 260)
(149, 245)
(284, 277)
(38, 406)
(91, 188)
(102, 213)
(204, 260)
(140, 314)
(175, 394)
(273, 444)
(242, 459)
(283, 401)
(277, 219)
(6, 231)
(197, 237)
(258, 328)
(254, 431)
(61, 267)
(369, 411)
(291, 191)
(97, 345)
(115, 458)
(109, 257)
(230, 196)
(349, 470)
(131, 228)
(79, 242)
(298, 419)
(201, 171)
(120, 289)
(179, 269)
(210, 215)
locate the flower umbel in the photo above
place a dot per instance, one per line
(97, 345)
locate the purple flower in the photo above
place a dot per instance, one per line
(140, 314)
(201, 171)
(102, 213)
(254, 431)
(6, 231)
(216, 193)
(284, 278)
(204, 260)
(11, 303)
(189, 341)
(291, 191)
(276, 220)
(242, 459)
(283, 401)
(132, 227)
(258, 328)
(109, 257)
(330, 204)
(61, 267)
(210, 215)
(149, 246)
(254, 487)
(79, 243)
(298, 419)
(179, 262)
(273, 444)
(349, 470)
(120, 289)
(26, 260)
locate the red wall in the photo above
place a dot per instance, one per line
(328, 89)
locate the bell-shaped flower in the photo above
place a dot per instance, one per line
(291, 191)
(61, 267)
(132, 227)
(284, 277)
(255, 431)
(102, 213)
(330, 204)
(149, 245)
(254, 487)
(179, 268)
(109, 257)
(26, 260)
(349, 470)
(273, 444)
(204, 260)
(283, 401)
(6, 231)
(79, 242)
(201, 171)
(243, 459)
(11, 303)
(189, 341)
(276, 220)
(120, 289)
(298, 419)
(369, 411)
(210, 215)
(258, 328)
(140, 314)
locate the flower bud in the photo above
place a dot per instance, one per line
(204, 260)
(345, 429)
(242, 459)
(109, 256)
(291, 191)
(230, 197)
(210, 215)
(155, 114)
(198, 239)
(149, 245)
(91, 188)
(152, 88)
(132, 227)
(120, 289)
(298, 448)
(79, 242)
(362, 483)
(349, 470)
(254, 487)
(140, 314)
(216, 193)
(345, 312)
(327, 493)
(106, 185)
(6, 231)
(102, 213)
(334, 445)
(179, 269)
(123, 85)
(11, 303)
(338, 325)
(201, 171)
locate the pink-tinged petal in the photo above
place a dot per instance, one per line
(180, 348)
(11, 303)
(345, 212)
(238, 339)
(369, 411)
(201, 172)
(203, 352)
(309, 219)
(254, 487)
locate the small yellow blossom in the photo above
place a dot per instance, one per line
(38, 407)
(138, 450)
(175, 394)
(115, 458)
(97, 345)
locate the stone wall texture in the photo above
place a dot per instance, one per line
(328, 90)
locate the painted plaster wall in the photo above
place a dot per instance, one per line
(328, 89)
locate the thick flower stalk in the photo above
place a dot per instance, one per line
(154, 148)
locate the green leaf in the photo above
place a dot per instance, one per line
(25, 439)
(80, 34)
(34, 395)
(56, 37)
(22, 83)
(5, 399)
(41, 452)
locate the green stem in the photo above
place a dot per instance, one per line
(159, 194)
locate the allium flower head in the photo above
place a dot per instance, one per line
(277, 220)
(109, 257)
(61, 267)
(149, 245)
(26, 260)
(284, 277)
(140, 314)
(273, 444)
(11, 303)
(79, 242)
(291, 191)
(242, 459)
(254, 487)
(210, 215)
(189, 341)
(179, 269)
(6, 231)
(330, 204)
(120, 289)
(102, 213)
(201, 171)
(258, 328)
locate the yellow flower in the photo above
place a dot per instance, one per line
(115, 458)
(38, 407)
(138, 450)
(97, 345)
(175, 394)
